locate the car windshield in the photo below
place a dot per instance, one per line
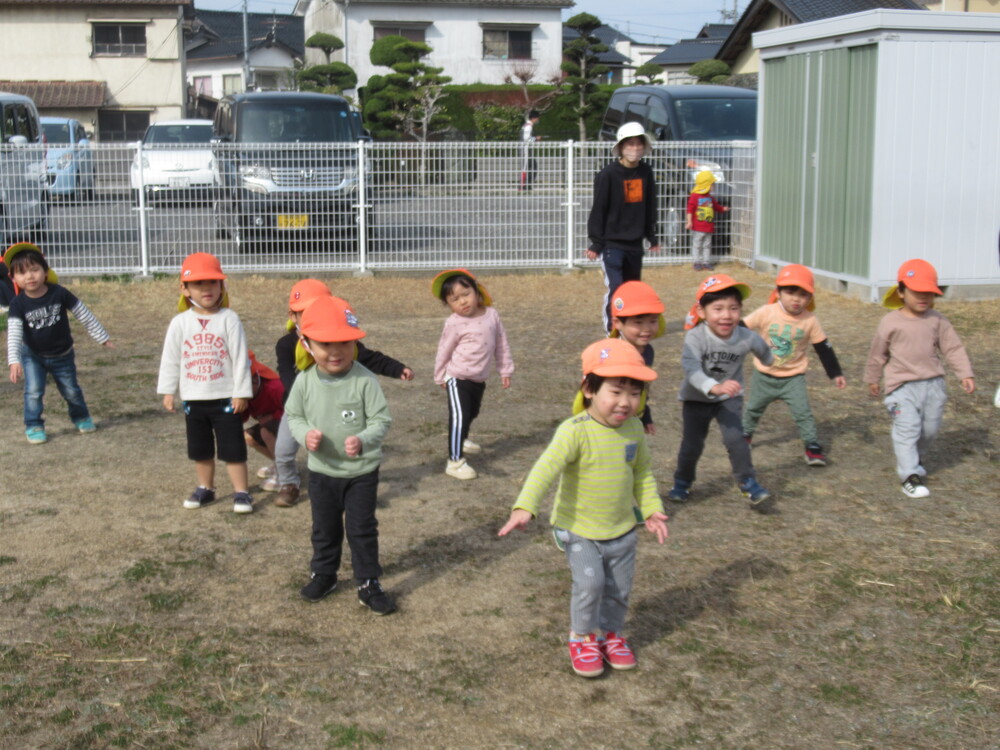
(162, 135)
(56, 132)
(717, 119)
(281, 122)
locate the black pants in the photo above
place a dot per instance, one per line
(210, 423)
(464, 399)
(698, 418)
(339, 503)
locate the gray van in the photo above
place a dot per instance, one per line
(277, 183)
(24, 208)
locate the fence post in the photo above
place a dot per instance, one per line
(143, 221)
(570, 204)
(362, 210)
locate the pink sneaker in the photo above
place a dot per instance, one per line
(617, 652)
(586, 657)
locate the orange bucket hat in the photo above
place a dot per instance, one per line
(305, 292)
(637, 298)
(330, 319)
(714, 283)
(795, 275)
(915, 274)
(260, 369)
(202, 267)
(442, 277)
(20, 247)
(614, 358)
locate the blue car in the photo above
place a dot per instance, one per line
(70, 161)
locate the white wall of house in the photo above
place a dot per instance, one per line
(455, 34)
(55, 43)
(271, 62)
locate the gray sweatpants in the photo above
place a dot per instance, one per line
(285, 449)
(916, 409)
(701, 246)
(602, 580)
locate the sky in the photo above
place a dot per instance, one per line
(647, 21)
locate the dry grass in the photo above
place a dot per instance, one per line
(856, 618)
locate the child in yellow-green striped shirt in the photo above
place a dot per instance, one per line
(603, 465)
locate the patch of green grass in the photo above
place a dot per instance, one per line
(62, 613)
(144, 570)
(43, 512)
(30, 589)
(844, 695)
(342, 735)
(7, 560)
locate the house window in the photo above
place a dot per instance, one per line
(115, 125)
(232, 83)
(120, 39)
(413, 33)
(506, 44)
(203, 85)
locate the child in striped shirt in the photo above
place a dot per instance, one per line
(603, 465)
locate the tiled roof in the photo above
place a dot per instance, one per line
(688, 51)
(612, 57)
(815, 10)
(49, 94)
(487, 3)
(135, 3)
(219, 34)
(715, 30)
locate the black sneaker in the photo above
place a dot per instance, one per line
(371, 594)
(814, 455)
(201, 497)
(320, 585)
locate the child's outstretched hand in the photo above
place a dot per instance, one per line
(657, 524)
(407, 374)
(352, 446)
(16, 373)
(313, 439)
(518, 520)
(873, 390)
(968, 385)
(840, 381)
(505, 381)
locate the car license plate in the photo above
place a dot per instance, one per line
(179, 182)
(293, 221)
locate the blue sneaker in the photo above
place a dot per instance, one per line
(242, 503)
(754, 492)
(201, 497)
(680, 492)
(86, 425)
(36, 435)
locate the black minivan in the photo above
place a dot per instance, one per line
(288, 166)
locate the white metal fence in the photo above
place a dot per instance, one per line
(298, 207)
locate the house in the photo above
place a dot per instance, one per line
(762, 15)
(677, 58)
(114, 66)
(215, 52)
(479, 41)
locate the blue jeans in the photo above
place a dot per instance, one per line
(63, 371)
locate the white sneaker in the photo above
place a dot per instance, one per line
(913, 486)
(266, 471)
(469, 447)
(270, 484)
(460, 469)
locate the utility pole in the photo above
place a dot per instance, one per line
(729, 16)
(246, 50)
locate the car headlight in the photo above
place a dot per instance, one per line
(698, 165)
(256, 171)
(64, 160)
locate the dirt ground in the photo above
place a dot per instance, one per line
(854, 618)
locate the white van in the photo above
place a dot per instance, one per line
(23, 179)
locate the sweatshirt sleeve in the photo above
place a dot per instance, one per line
(83, 313)
(691, 364)
(760, 348)
(15, 338)
(953, 351)
(502, 356)
(379, 363)
(878, 355)
(377, 417)
(284, 354)
(650, 195)
(446, 346)
(239, 357)
(557, 456)
(598, 212)
(170, 359)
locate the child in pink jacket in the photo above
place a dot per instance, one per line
(472, 343)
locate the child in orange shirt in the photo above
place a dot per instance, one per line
(788, 323)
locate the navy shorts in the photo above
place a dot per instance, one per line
(211, 423)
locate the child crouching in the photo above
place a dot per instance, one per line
(603, 466)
